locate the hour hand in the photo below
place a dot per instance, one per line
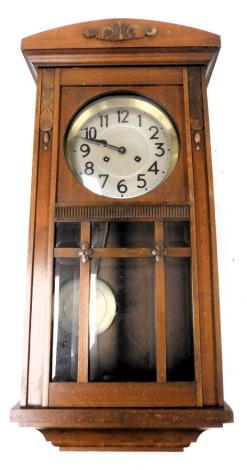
(104, 143)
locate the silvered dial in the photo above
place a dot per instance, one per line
(122, 146)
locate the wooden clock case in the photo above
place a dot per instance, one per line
(171, 64)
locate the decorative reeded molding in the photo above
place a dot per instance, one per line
(47, 100)
(78, 213)
(120, 32)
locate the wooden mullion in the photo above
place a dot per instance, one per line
(83, 335)
(160, 309)
(67, 252)
(109, 253)
(179, 252)
(122, 252)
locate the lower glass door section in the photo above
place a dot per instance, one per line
(65, 320)
(122, 320)
(180, 350)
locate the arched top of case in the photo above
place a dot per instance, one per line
(117, 42)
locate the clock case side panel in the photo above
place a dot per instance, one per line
(213, 235)
(205, 236)
(28, 300)
(40, 259)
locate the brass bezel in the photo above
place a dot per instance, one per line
(139, 102)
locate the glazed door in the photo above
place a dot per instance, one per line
(122, 313)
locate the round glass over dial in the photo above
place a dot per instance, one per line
(122, 146)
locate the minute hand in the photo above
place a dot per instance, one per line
(104, 143)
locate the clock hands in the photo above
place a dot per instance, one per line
(104, 143)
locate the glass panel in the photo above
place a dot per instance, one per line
(67, 235)
(180, 358)
(123, 234)
(65, 319)
(177, 234)
(122, 325)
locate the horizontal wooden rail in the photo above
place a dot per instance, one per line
(177, 252)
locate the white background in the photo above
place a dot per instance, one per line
(227, 105)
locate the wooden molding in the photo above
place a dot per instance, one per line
(121, 440)
(117, 41)
(122, 429)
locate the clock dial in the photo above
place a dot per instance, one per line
(122, 146)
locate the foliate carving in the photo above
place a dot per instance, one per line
(120, 32)
(195, 98)
(47, 100)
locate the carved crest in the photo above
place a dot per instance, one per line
(120, 32)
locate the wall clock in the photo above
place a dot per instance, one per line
(122, 346)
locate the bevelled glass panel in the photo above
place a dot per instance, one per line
(65, 319)
(122, 323)
(67, 235)
(123, 234)
(180, 355)
(177, 234)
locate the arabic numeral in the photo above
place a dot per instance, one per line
(91, 132)
(85, 149)
(140, 119)
(160, 147)
(142, 180)
(154, 168)
(103, 120)
(122, 116)
(105, 179)
(155, 131)
(89, 168)
(121, 187)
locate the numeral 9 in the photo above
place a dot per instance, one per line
(85, 149)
